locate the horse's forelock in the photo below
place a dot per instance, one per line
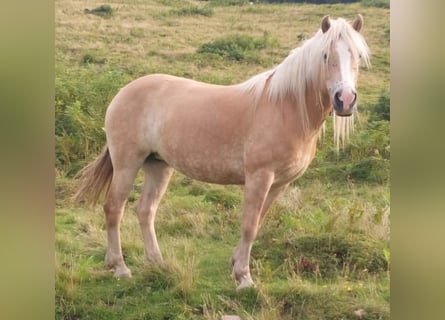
(340, 29)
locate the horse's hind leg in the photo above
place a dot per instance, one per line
(157, 176)
(120, 187)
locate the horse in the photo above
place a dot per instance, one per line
(261, 133)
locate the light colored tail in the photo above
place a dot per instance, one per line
(95, 179)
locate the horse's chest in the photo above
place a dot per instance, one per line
(294, 164)
(287, 157)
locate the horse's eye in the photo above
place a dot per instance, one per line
(325, 57)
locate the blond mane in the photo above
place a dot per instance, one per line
(304, 69)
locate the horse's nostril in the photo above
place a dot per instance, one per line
(355, 99)
(337, 98)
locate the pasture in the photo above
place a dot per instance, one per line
(323, 252)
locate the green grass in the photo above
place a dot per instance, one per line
(341, 236)
(323, 252)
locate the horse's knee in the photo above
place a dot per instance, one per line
(249, 232)
(144, 212)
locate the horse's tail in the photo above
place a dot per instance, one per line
(95, 179)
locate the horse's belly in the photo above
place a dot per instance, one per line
(224, 171)
(208, 161)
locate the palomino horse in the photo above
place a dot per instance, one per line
(261, 133)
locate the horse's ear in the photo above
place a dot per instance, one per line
(358, 23)
(325, 24)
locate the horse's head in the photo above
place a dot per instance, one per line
(344, 49)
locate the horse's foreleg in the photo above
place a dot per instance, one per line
(271, 196)
(114, 209)
(157, 176)
(256, 188)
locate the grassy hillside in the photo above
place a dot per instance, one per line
(323, 252)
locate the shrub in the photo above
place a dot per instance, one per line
(373, 169)
(325, 255)
(103, 11)
(312, 1)
(193, 11)
(77, 134)
(229, 2)
(376, 3)
(332, 253)
(80, 104)
(364, 159)
(381, 110)
(237, 47)
(90, 58)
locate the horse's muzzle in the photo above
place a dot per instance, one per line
(344, 102)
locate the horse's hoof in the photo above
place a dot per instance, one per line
(122, 272)
(245, 282)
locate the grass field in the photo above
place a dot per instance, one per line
(323, 252)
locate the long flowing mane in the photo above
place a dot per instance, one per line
(304, 69)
